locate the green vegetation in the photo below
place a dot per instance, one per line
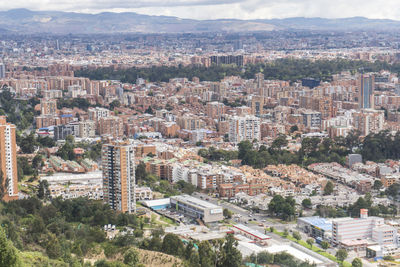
(306, 203)
(160, 73)
(328, 189)
(341, 255)
(214, 154)
(162, 186)
(81, 103)
(29, 142)
(375, 147)
(313, 248)
(281, 259)
(19, 112)
(283, 208)
(287, 69)
(356, 263)
(354, 209)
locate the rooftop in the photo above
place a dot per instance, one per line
(196, 202)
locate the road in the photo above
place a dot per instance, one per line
(257, 219)
(245, 215)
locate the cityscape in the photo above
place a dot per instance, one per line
(194, 140)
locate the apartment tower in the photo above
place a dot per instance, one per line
(118, 160)
(8, 160)
(366, 89)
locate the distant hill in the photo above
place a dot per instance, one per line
(56, 22)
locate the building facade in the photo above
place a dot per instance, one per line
(118, 160)
(8, 160)
(244, 128)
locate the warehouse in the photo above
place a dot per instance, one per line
(197, 209)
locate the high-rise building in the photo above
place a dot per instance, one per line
(244, 128)
(369, 121)
(2, 71)
(8, 160)
(118, 160)
(260, 83)
(48, 107)
(366, 87)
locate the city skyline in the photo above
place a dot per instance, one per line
(235, 9)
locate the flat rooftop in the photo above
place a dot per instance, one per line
(319, 222)
(195, 202)
(251, 231)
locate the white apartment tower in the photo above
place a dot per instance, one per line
(244, 128)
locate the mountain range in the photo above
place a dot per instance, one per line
(57, 22)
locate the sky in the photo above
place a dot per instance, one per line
(215, 9)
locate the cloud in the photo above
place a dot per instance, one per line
(213, 9)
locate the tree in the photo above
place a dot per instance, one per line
(206, 254)
(356, 263)
(8, 253)
(377, 184)
(115, 104)
(328, 190)
(285, 232)
(265, 258)
(306, 203)
(3, 185)
(172, 245)
(393, 190)
(149, 110)
(325, 245)
(231, 256)
(140, 171)
(43, 190)
(271, 229)
(227, 213)
(310, 241)
(294, 128)
(297, 236)
(131, 257)
(341, 255)
(53, 248)
(279, 142)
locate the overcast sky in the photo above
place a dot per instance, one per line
(213, 9)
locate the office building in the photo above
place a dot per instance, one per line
(8, 159)
(244, 128)
(345, 230)
(366, 87)
(118, 160)
(197, 208)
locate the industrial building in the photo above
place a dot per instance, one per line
(197, 209)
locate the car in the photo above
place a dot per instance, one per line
(207, 199)
(250, 215)
(264, 220)
(260, 224)
(201, 197)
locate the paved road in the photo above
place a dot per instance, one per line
(246, 215)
